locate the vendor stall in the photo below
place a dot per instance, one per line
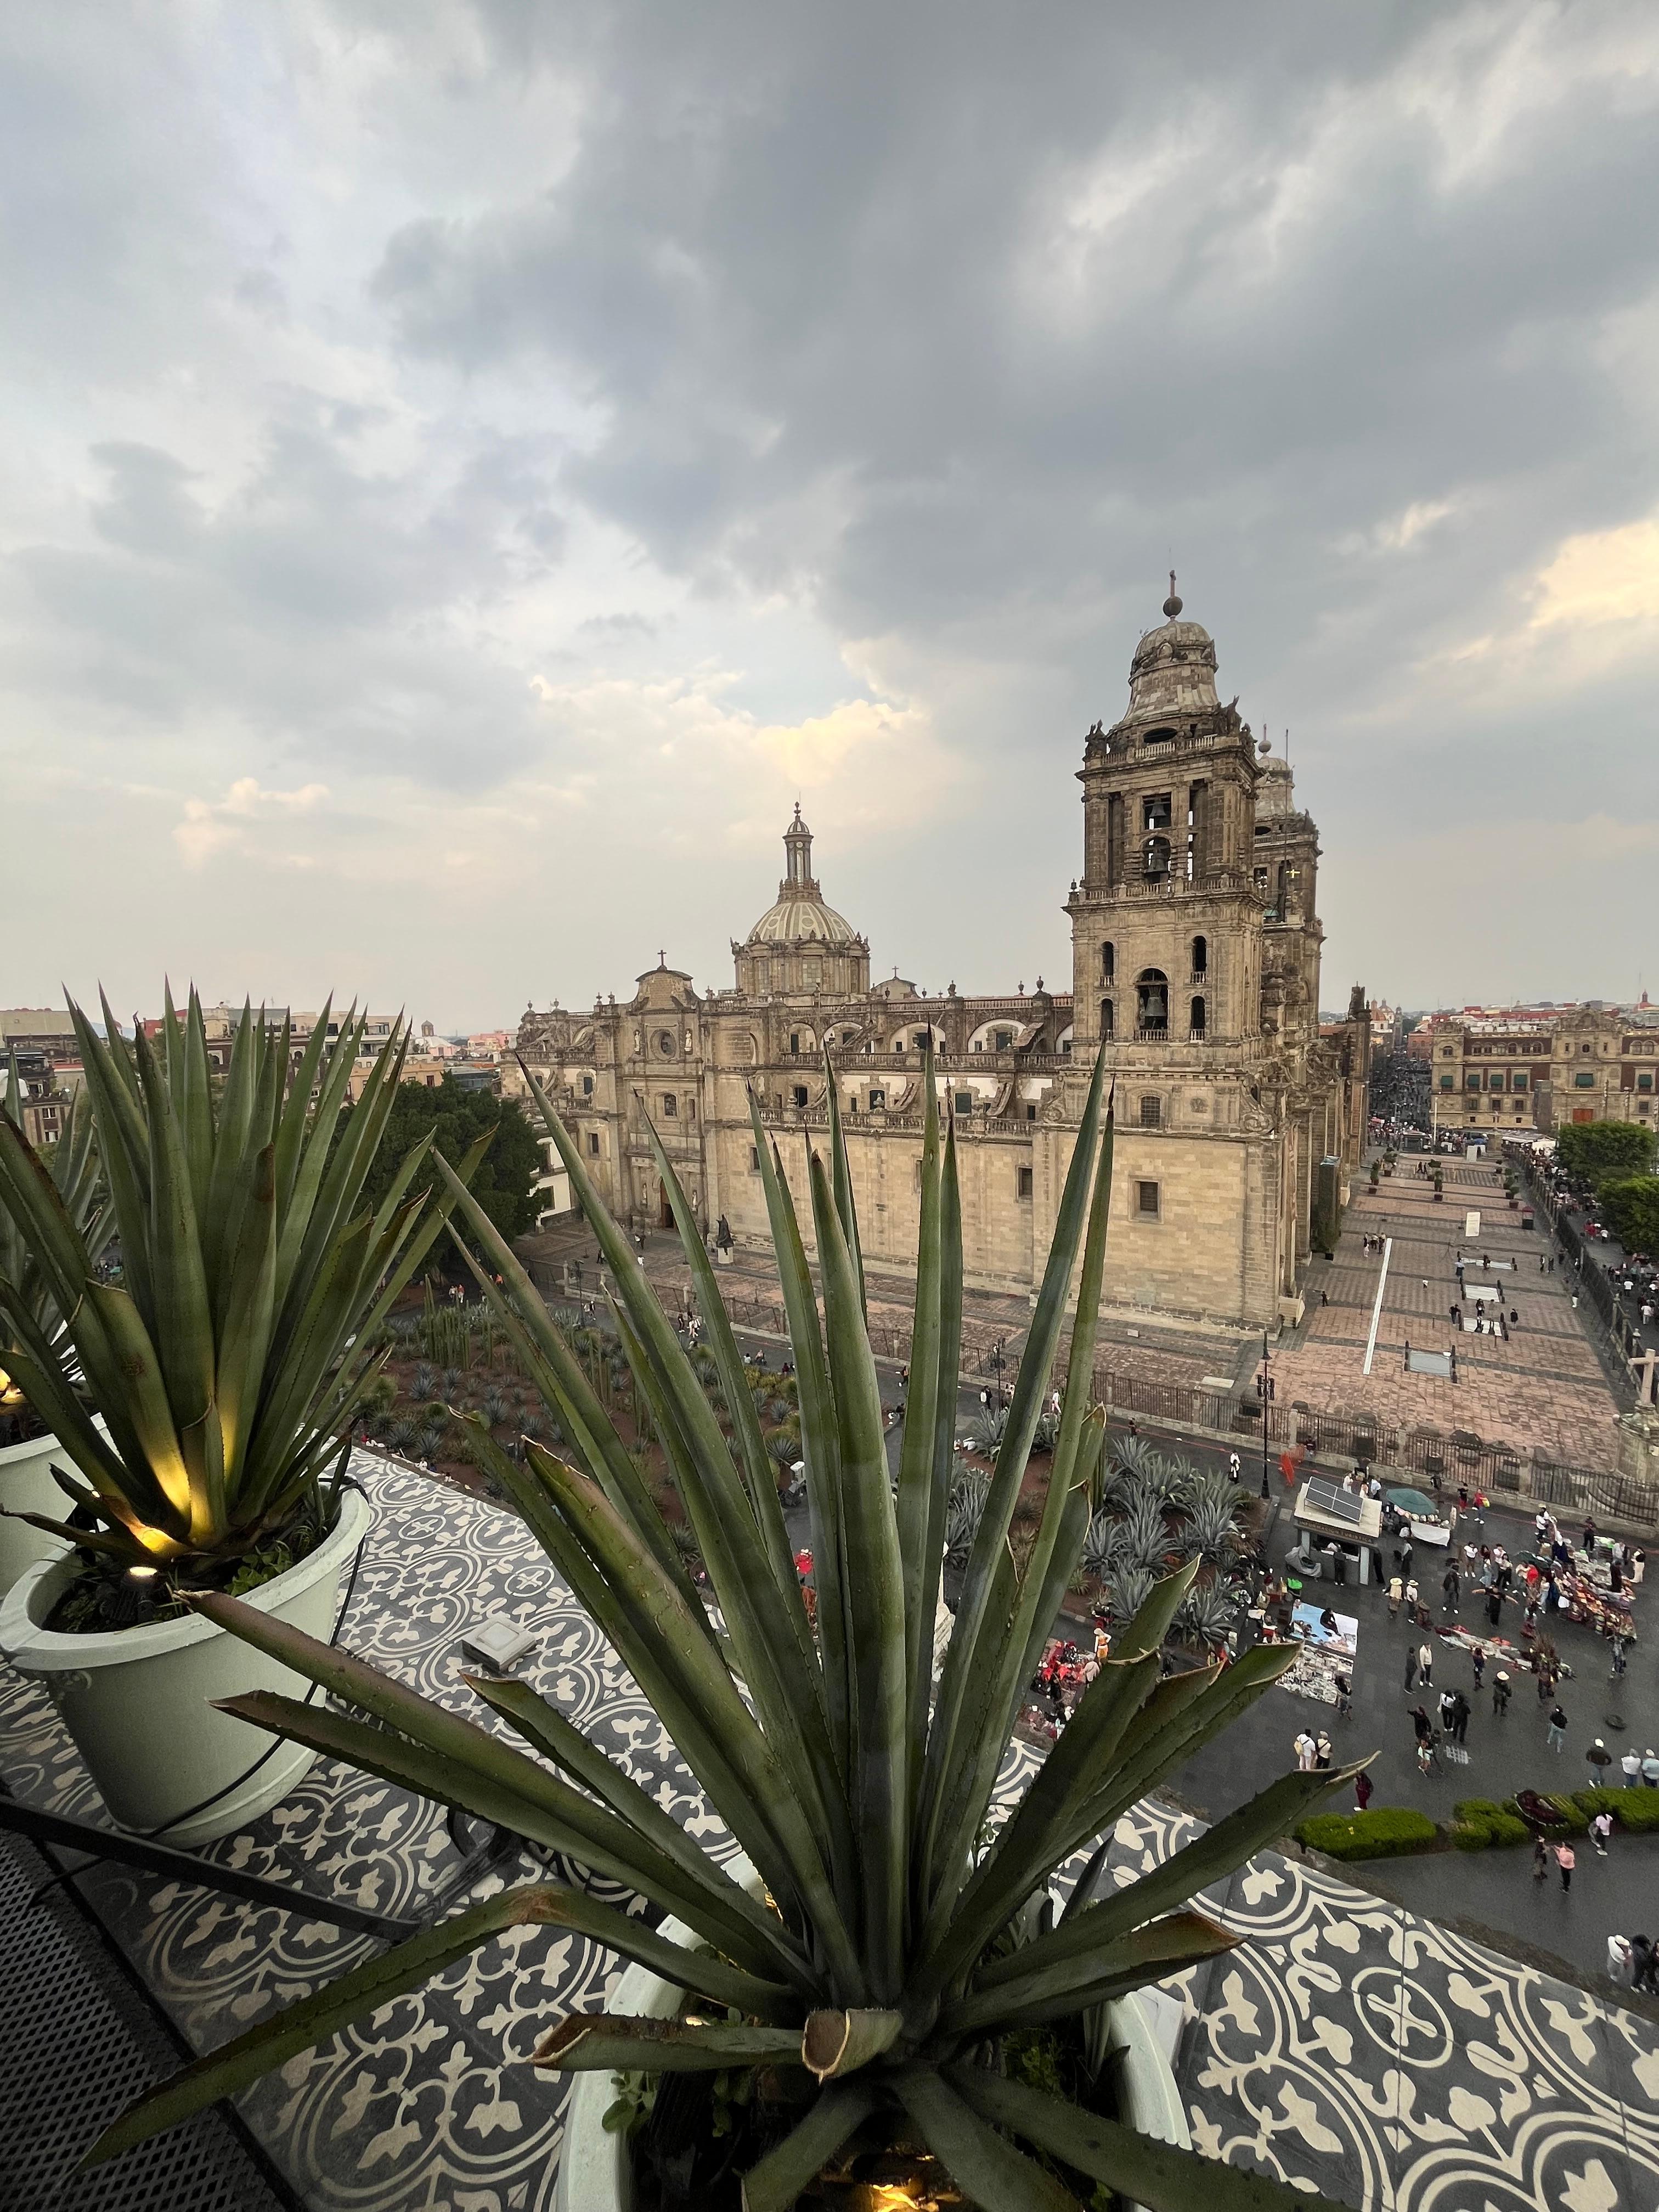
(1337, 1530)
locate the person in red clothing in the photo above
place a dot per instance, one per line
(1362, 1791)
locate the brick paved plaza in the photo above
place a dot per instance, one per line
(1545, 1388)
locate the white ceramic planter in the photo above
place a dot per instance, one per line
(595, 2173)
(27, 1486)
(137, 1703)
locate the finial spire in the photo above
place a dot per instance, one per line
(1172, 605)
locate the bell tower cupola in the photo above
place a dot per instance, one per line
(1165, 928)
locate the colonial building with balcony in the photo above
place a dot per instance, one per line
(1195, 971)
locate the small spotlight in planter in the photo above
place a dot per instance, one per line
(496, 1643)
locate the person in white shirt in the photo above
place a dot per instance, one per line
(1631, 1766)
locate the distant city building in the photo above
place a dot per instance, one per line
(1541, 1068)
(1195, 971)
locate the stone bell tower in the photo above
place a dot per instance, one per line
(1166, 934)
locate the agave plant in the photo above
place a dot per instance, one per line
(1136, 1458)
(1209, 1528)
(229, 1363)
(867, 1970)
(965, 1510)
(1146, 1540)
(988, 1429)
(1103, 1544)
(72, 1165)
(1127, 1590)
(1206, 1614)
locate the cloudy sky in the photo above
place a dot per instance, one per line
(471, 467)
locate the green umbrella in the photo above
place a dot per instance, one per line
(1409, 1501)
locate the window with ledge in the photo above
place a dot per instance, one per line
(587, 1086)
(1446, 1083)
(1586, 1081)
(1108, 1019)
(1030, 1113)
(1108, 963)
(593, 1140)
(1003, 1040)
(794, 1042)
(965, 1101)
(878, 1099)
(1157, 810)
(1155, 858)
(670, 1106)
(1151, 1111)
(1023, 1181)
(801, 1094)
(1195, 1017)
(1146, 1201)
(754, 1159)
(1200, 956)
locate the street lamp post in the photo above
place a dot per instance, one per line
(1267, 1488)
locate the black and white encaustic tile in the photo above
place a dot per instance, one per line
(1346, 2045)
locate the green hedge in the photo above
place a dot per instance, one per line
(1487, 1831)
(1635, 1811)
(1389, 1831)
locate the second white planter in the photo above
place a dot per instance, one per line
(138, 1702)
(27, 1486)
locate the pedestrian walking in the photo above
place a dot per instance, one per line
(1620, 1960)
(1600, 1830)
(1304, 1752)
(1558, 1733)
(1461, 1710)
(1631, 1766)
(1501, 1686)
(1425, 1665)
(1362, 1791)
(1235, 1466)
(1411, 1668)
(1411, 1598)
(1641, 1963)
(1422, 1726)
(1566, 1858)
(1322, 1753)
(1540, 1859)
(1650, 1769)
(1478, 1660)
(1396, 1591)
(1598, 1759)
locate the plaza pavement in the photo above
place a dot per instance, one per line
(1493, 1889)
(1545, 1389)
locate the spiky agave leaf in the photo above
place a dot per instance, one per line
(236, 1349)
(875, 1959)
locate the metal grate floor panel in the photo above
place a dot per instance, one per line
(77, 2043)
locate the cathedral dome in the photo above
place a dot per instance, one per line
(800, 914)
(794, 917)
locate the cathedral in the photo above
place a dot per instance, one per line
(1195, 947)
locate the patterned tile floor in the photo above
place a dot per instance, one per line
(1347, 2044)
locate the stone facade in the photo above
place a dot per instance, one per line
(1195, 970)
(1584, 1064)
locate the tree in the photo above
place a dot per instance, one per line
(1629, 1206)
(505, 1182)
(1599, 1150)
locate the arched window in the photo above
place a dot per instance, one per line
(1108, 1019)
(1155, 858)
(1200, 956)
(1108, 963)
(1195, 1022)
(1152, 1000)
